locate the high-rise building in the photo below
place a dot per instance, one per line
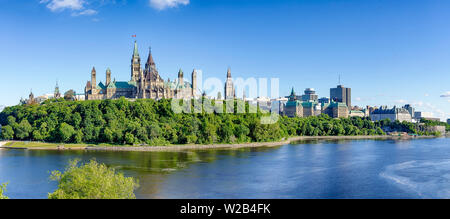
(341, 94)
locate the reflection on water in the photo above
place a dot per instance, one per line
(306, 169)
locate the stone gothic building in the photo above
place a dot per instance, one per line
(144, 84)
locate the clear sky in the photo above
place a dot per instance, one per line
(388, 52)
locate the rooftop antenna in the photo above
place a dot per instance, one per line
(339, 79)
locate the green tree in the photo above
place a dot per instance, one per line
(66, 132)
(78, 136)
(7, 132)
(2, 190)
(37, 135)
(129, 138)
(92, 181)
(23, 129)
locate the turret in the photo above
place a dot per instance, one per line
(57, 94)
(150, 72)
(108, 76)
(229, 87)
(93, 78)
(142, 85)
(180, 77)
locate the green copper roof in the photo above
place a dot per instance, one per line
(170, 84)
(308, 104)
(101, 86)
(117, 84)
(334, 104)
(122, 84)
(292, 92)
(294, 103)
(185, 85)
(135, 52)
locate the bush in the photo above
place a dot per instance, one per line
(2, 190)
(7, 132)
(92, 181)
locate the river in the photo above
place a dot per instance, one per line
(417, 168)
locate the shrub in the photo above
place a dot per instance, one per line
(92, 181)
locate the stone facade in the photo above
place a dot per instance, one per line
(439, 128)
(357, 113)
(144, 84)
(310, 95)
(335, 110)
(297, 108)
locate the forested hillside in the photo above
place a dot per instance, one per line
(154, 123)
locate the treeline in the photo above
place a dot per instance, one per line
(154, 123)
(427, 122)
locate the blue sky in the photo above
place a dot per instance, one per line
(388, 52)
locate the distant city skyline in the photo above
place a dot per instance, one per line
(388, 53)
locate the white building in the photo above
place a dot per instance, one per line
(400, 114)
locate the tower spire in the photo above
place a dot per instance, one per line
(57, 94)
(135, 63)
(150, 57)
(135, 51)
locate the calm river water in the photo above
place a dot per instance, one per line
(309, 169)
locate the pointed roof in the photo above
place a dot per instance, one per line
(135, 51)
(180, 73)
(108, 70)
(93, 69)
(292, 92)
(229, 73)
(150, 57)
(57, 88)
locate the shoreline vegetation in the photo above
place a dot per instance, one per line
(58, 146)
(147, 124)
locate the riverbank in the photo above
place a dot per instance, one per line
(105, 147)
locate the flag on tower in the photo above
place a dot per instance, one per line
(133, 35)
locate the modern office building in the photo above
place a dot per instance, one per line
(341, 94)
(310, 95)
(324, 100)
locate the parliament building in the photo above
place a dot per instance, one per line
(145, 83)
